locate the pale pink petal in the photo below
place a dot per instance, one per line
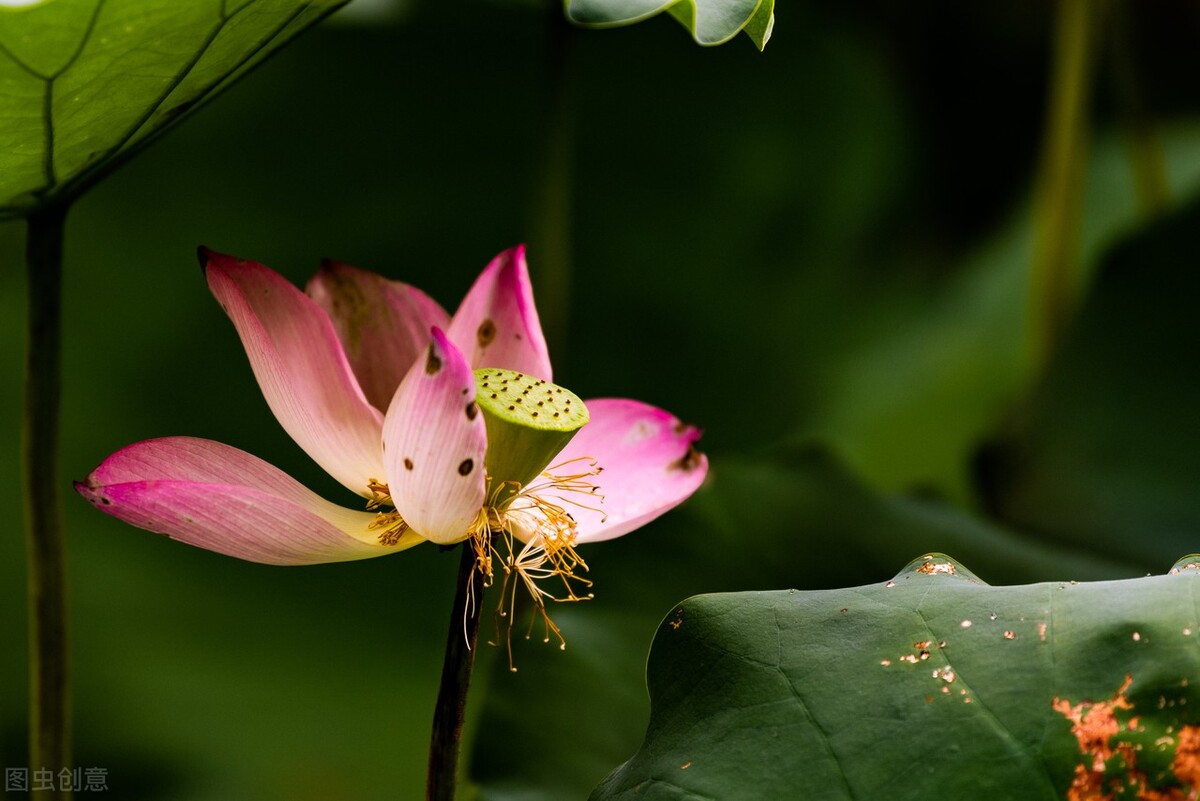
(383, 325)
(649, 466)
(223, 499)
(434, 444)
(301, 368)
(497, 324)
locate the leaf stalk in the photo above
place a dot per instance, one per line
(49, 677)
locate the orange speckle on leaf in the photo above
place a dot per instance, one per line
(1100, 735)
(1094, 725)
(1186, 765)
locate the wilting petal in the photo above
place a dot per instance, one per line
(497, 324)
(383, 325)
(301, 368)
(649, 465)
(434, 442)
(223, 499)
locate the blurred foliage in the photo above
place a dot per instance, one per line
(1108, 444)
(86, 83)
(818, 253)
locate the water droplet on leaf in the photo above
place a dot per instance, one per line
(1189, 562)
(937, 565)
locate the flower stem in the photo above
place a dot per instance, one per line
(451, 706)
(1059, 201)
(49, 697)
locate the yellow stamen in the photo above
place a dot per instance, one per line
(393, 526)
(536, 517)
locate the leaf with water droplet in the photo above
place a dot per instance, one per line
(936, 564)
(781, 695)
(85, 83)
(1189, 562)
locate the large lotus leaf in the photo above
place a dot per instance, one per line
(932, 685)
(712, 22)
(84, 83)
(1107, 452)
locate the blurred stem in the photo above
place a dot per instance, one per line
(49, 698)
(1145, 147)
(1059, 202)
(451, 705)
(550, 233)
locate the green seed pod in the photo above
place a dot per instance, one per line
(528, 422)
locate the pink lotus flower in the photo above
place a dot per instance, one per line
(378, 384)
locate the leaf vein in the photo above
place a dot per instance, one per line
(113, 156)
(996, 722)
(816, 724)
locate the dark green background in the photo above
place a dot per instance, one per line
(817, 253)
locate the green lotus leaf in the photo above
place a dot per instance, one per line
(711, 22)
(932, 685)
(86, 83)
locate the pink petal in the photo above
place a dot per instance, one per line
(434, 444)
(383, 325)
(649, 465)
(497, 324)
(301, 368)
(223, 499)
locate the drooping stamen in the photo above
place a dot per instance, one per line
(388, 522)
(554, 483)
(547, 533)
